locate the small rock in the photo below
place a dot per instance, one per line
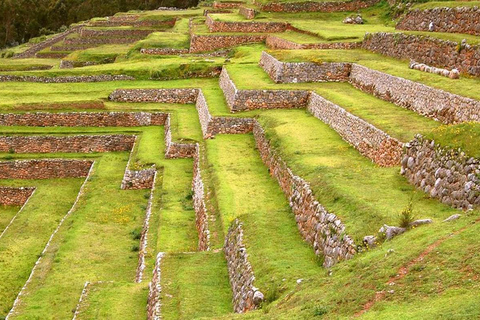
(452, 217)
(299, 281)
(369, 241)
(390, 231)
(419, 222)
(258, 297)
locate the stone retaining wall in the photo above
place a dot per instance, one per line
(248, 13)
(174, 150)
(245, 27)
(155, 95)
(453, 20)
(200, 43)
(288, 72)
(227, 4)
(83, 119)
(30, 52)
(15, 196)
(446, 174)
(245, 295)
(274, 42)
(366, 138)
(321, 229)
(312, 6)
(452, 74)
(431, 51)
(65, 79)
(164, 51)
(102, 40)
(154, 291)
(67, 144)
(201, 214)
(434, 103)
(128, 33)
(44, 169)
(138, 179)
(241, 100)
(136, 24)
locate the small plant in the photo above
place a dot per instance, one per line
(135, 248)
(319, 311)
(407, 216)
(136, 234)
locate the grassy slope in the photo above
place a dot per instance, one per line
(363, 195)
(246, 191)
(28, 235)
(6, 215)
(195, 285)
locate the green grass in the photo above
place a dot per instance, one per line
(465, 136)
(21, 245)
(6, 215)
(363, 195)
(195, 286)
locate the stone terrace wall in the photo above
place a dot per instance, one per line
(248, 13)
(201, 214)
(220, 125)
(454, 20)
(138, 179)
(164, 51)
(15, 196)
(137, 24)
(83, 119)
(174, 150)
(434, 103)
(200, 43)
(155, 95)
(241, 100)
(366, 138)
(321, 229)
(287, 72)
(102, 40)
(431, 51)
(44, 169)
(245, 27)
(311, 6)
(78, 143)
(115, 33)
(227, 4)
(30, 52)
(274, 42)
(443, 173)
(65, 79)
(155, 290)
(245, 296)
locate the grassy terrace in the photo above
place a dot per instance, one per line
(195, 286)
(6, 215)
(244, 190)
(27, 236)
(363, 195)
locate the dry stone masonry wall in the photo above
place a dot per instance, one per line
(452, 74)
(313, 6)
(453, 20)
(78, 143)
(434, 103)
(431, 51)
(274, 42)
(446, 174)
(321, 229)
(201, 43)
(201, 214)
(287, 72)
(10, 196)
(174, 150)
(83, 119)
(227, 4)
(248, 13)
(245, 295)
(245, 27)
(241, 100)
(366, 138)
(154, 291)
(155, 95)
(115, 33)
(65, 79)
(44, 169)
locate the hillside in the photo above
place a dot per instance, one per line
(243, 160)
